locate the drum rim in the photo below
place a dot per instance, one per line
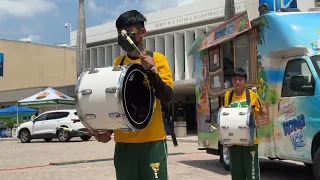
(120, 96)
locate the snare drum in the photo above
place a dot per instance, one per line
(236, 126)
(111, 98)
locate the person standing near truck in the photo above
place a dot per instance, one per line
(244, 160)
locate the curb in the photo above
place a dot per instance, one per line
(9, 139)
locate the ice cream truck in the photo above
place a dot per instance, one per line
(281, 53)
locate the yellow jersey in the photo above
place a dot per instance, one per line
(240, 101)
(155, 130)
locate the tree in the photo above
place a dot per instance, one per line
(229, 10)
(81, 57)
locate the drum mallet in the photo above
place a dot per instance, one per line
(125, 35)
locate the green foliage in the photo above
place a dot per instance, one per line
(272, 96)
(9, 122)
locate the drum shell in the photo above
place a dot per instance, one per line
(234, 128)
(100, 103)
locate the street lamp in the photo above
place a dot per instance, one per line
(66, 25)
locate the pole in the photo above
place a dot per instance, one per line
(81, 40)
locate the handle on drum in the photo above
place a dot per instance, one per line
(225, 127)
(242, 113)
(225, 113)
(111, 90)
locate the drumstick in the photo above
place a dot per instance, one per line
(125, 35)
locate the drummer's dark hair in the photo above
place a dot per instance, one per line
(239, 72)
(129, 18)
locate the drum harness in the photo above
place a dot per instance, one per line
(173, 136)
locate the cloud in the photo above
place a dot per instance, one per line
(25, 8)
(156, 5)
(93, 7)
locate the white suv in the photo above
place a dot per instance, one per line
(45, 127)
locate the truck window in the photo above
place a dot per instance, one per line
(298, 79)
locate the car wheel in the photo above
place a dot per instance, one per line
(225, 158)
(25, 136)
(48, 139)
(85, 138)
(316, 165)
(63, 136)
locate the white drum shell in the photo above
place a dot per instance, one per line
(236, 126)
(99, 103)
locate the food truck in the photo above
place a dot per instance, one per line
(281, 53)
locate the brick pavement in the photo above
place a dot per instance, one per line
(14, 154)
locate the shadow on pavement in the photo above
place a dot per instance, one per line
(57, 141)
(270, 170)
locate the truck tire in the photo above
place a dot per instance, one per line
(316, 165)
(224, 156)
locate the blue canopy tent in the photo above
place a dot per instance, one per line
(15, 112)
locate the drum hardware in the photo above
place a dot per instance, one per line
(117, 68)
(115, 115)
(224, 127)
(242, 127)
(225, 113)
(90, 116)
(93, 70)
(86, 91)
(242, 113)
(111, 90)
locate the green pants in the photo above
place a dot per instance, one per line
(244, 162)
(141, 161)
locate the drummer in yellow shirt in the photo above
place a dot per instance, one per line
(142, 155)
(244, 160)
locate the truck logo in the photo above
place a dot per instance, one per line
(293, 128)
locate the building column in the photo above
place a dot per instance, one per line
(169, 51)
(115, 51)
(189, 63)
(109, 59)
(150, 46)
(93, 57)
(179, 56)
(101, 56)
(159, 44)
(88, 58)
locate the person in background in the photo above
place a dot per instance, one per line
(34, 116)
(142, 155)
(244, 160)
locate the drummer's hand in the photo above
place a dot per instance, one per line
(147, 62)
(104, 138)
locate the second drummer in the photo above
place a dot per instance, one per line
(244, 160)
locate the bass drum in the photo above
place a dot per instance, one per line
(111, 98)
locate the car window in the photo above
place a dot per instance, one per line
(57, 115)
(41, 117)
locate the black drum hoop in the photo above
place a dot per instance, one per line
(134, 125)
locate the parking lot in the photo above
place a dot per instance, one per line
(32, 161)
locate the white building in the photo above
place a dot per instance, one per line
(171, 32)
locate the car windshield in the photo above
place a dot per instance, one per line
(316, 62)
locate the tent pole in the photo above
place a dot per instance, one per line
(17, 114)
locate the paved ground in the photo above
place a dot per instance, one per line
(195, 166)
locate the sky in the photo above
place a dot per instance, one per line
(43, 20)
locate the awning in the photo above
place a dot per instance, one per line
(226, 31)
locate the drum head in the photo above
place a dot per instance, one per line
(138, 97)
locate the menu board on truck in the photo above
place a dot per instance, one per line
(214, 59)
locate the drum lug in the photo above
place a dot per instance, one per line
(226, 140)
(117, 68)
(242, 127)
(242, 113)
(89, 116)
(86, 91)
(224, 127)
(225, 113)
(92, 71)
(111, 90)
(115, 115)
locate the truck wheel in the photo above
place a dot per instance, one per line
(225, 158)
(25, 136)
(85, 138)
(316, 165)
